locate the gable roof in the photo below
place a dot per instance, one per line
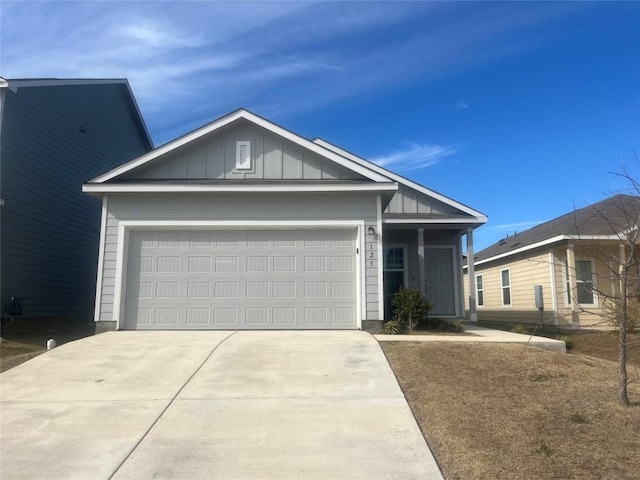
(607, 219)
(14, 84)
(241, 113)
(481, 217)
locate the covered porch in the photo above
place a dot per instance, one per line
(426, 256)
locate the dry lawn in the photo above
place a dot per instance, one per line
(503, 412)
(17, 348)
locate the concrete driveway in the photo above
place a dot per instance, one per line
(209, 405)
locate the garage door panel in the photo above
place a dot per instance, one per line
(255, 279)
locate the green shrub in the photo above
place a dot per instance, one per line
(410, 308)
(568, 341)
(521, 329)
(391, 328)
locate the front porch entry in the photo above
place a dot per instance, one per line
(426, 260)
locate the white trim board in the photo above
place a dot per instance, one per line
(357, 167)
(103, 235)
(380, 255)
(447, 220)
(125, 226)
(222, 188)
(479, 217)
(548, 241)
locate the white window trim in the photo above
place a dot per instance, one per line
(481, 275)
(241, 165)
(502, 287)
(125, 227)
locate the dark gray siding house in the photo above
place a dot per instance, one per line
(54, 135)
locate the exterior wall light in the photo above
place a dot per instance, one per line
(371, 230)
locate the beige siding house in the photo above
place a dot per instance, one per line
(574, 258)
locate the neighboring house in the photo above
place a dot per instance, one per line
(572, 257)
(55, 134)
(243, 224)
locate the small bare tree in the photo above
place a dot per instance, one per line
(617, 253)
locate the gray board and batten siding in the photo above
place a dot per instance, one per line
(54, 138)
(409, 201)
(242, 209)
(213, 157)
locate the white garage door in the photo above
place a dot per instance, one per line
(241, 279)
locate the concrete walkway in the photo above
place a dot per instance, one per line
(483, 335)
(210, 405)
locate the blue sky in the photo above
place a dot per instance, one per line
(517, 109)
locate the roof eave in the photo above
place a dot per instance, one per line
(100, 188)
(481, 217)
(551, 241)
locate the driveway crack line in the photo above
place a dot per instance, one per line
(146, 433)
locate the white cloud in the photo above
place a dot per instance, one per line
(156, 34)
(462, 105)
(215, 56)
(518, 226)
(415, 157)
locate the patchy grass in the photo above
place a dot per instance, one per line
(17, 348)
(605, 345)
(500, 411)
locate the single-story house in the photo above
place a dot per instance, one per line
(575, 258)
(242, 224)
(54, 135)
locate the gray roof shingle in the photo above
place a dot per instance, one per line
(607, 217)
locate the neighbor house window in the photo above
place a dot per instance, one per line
(506, 287)
(480, 290)
(584, 282)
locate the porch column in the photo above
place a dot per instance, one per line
(473, 316)
(554, 287)
(573, 286)
(421, 269)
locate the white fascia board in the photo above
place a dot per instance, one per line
(357, 167)
(160, 188)
(431, 220)
(533, 246)
(480, 217)
(597, 237)
(549, 241)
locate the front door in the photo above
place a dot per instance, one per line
(439, 282)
